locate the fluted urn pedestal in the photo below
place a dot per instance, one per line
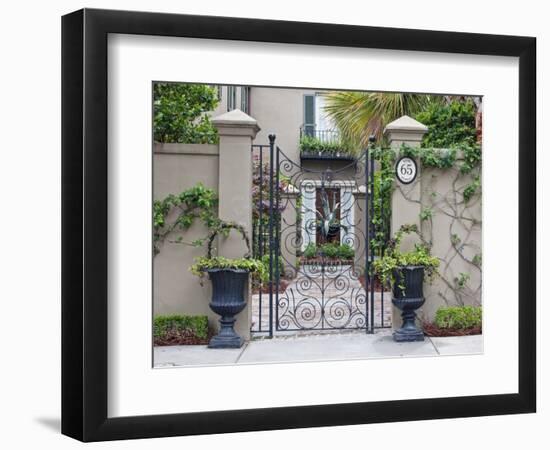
(408, 296)
(227, 301)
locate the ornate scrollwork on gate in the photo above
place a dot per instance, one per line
(322, 245)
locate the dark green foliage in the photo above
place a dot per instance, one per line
(462, 280)
(222, 228)
(451, 127)
(253, 266)
(472, 158)
(471, 189)
(265, 261)
(382, 191)
(328, 214)
(197, 202)
(331, 250)
(458, 317)
(449, 124)
(426, 214)
(476, 260)
(310, 251)
(311, 144)
(197, 325)
(179, 113)
(393, 258)
(440, 158)
(345, 251)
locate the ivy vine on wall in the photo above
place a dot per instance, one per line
(179, 212)
(462, 162)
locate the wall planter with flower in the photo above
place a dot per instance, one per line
(406, 272)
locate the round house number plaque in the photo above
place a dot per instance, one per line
(406, 170)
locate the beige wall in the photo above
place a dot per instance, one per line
(177, 167)
(451, 217)
(226, 168)
(278, 110)
(454, 230)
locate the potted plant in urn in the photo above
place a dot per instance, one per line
(228, 278)
(406, 273)
(328, 224)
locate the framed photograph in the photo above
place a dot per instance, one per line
(273, 224)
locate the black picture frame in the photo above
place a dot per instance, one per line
(84, 224)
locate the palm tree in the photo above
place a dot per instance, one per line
(359, 115)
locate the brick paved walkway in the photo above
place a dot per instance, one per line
(317, 302)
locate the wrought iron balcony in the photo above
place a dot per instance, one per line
(323, 144)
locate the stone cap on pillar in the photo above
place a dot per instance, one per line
(236, 123)
(405, 129)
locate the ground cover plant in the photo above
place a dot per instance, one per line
(180, 330)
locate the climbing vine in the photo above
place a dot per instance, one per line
(254, 266)
(461, 204)
(179, 212)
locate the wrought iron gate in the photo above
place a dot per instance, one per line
(313, 227)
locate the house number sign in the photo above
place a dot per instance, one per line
(406, 170)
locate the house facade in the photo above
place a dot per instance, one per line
(292, 114)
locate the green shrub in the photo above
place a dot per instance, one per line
(345, 251)
(253, 266)
(265, 261)
(329, 250)
(458, 317)
(449, 124)
(179, 113)
(393, 258)
(310, 251)
(311, 144)
(198, 325)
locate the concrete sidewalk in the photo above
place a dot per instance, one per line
(357, 345)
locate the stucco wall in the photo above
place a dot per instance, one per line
(454, 229)
(226, 168)
(279, 111)
(177, 167)
(455, 233)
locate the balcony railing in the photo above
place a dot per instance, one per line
(312, 131)
(323, 144)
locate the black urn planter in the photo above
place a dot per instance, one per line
(408, 296)
(227, 301)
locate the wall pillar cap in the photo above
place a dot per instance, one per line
(236, 123)
(405, 123)
(405, 129)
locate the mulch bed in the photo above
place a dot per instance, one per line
(377, 284)
(283, 284)
(433, 330)
(182, 337)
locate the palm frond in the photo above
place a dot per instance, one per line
(359, 115)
